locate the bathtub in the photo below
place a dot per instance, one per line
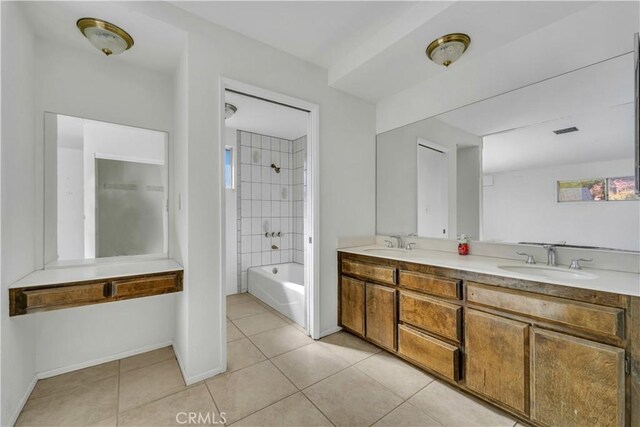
(280, 286)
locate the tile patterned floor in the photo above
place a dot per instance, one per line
(277, 376)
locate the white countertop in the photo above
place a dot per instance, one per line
(97, 271)
(605, 281)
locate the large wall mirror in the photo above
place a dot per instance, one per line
(105, 191)
(550, 162)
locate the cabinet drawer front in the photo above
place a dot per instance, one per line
(438, 286)
(352, 304)
(428, 352)
(432, 315)
(64, 296)
(576, 382)
(598, 319)
(155, 285)
(376, 273)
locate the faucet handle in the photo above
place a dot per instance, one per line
(530, 258)
(410, 245)
(575, 263)
(389, 243)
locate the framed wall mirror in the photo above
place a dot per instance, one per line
(547, 163)
(106, 189)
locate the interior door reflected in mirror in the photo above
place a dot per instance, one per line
(105, 191)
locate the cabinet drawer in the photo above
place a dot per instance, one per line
(597, 319)
(432, 315)
(429, 352)
(438, 286)
(43, 299)
(377, 273)
(144, 286)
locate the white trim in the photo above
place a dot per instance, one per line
(430, 144)
(23, 400)
(330, 331)
(98, 361)
(313, 192)
(133, 159)
(189, 380)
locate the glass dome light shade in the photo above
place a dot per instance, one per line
(448, 49)
(106, 37)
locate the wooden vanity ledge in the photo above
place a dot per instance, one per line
(58, 288)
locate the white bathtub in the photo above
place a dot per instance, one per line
(281, 286)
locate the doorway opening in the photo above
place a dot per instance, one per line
(269, 164)
(433, 189)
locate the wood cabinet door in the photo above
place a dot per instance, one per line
(496, 358)
(352, 304)
(575, 382)
(381, 318)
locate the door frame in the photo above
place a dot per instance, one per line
(312, 252)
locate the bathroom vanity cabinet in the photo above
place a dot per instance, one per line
(550, 355)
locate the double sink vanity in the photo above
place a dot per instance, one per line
(551, 345)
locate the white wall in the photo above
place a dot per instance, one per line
(347, 159)
(521, 206)
(70, 204)
(18, 207)
(397, 173)
(70, 82)
(231, 216)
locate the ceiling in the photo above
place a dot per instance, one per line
(157, 45)
(266, 118)
(321, 32)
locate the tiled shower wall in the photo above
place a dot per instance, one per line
(266, 202)
(299, 169)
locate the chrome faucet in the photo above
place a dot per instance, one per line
(410, 245)
(552, 255)
(398, 240)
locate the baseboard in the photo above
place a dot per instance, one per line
(195, 378)
(23, 401)
(89, 363)
(330, 331)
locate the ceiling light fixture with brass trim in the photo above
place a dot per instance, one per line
(106, 37)
(448, 49)
(229, 110)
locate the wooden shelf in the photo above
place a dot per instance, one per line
(55, 296)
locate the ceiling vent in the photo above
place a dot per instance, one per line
(565, 130)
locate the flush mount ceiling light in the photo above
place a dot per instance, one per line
(448, 49)
(229, 110)
(108, 38)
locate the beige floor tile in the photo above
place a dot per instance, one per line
(146, 359)
(453, 408)
(395, 374)
(111, 421)
(88, 404)
(281, 340)
(242, 353)
(294, 411)
(262, 322)
(407, 415)
(173, 410)
(152, 382)
(309, 364)
(239, 299)
(243, 392)
(233, 333)
(350, 398)
(238, 311)
(71, 380)
(349, 347)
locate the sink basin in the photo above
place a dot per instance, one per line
(386, 251)
(550, 272)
